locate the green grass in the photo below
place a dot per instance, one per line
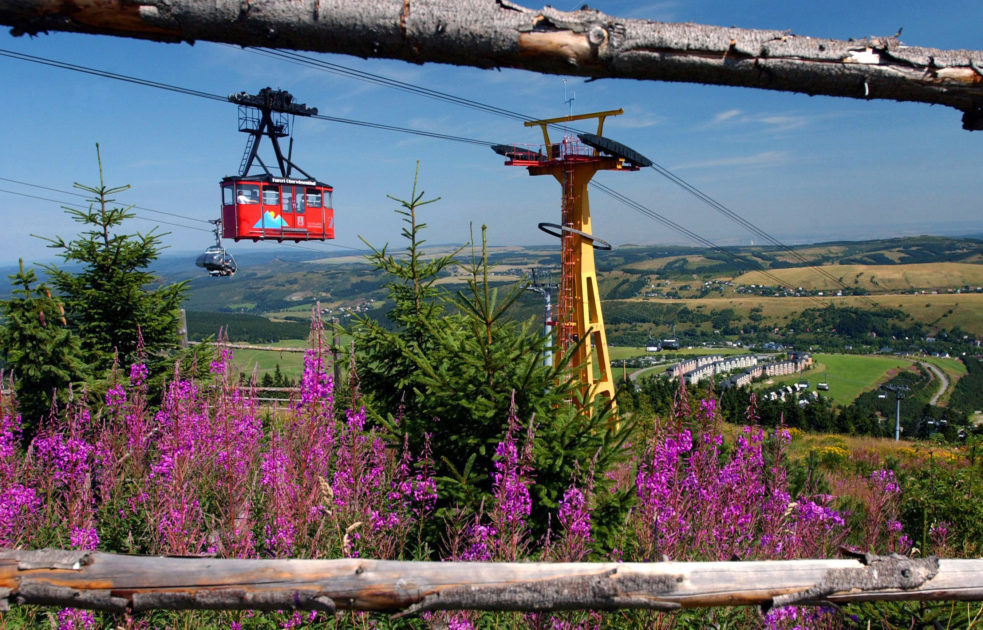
(291, 363)
(954, 368)
(849, 375)
(625, 352)
(263, 361)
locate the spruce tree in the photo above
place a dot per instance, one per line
(451, 364)
(111, 297)
(42, 352)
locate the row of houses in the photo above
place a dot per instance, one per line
(796, 362)
(696, 370)
(678, 370)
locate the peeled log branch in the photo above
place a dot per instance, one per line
(499, 33)
(133, 583)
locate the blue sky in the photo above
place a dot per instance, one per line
(802, 168)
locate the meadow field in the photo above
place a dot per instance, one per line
(265, 361)
(850, 375)
(872, 277)
(945, 310)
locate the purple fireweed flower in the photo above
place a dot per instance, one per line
(939, 533)
(904, 544)
(812, 511)
(707, 407)
(18, 505)
(479, 543)
(115, 396)
(84, 538)
(795, 618)
(511, 479)
(138, 374)
(281, 492)
(884, 479)
(421, 488)
(219, 365)
(574, 515)
(75, 619)
(316, 385)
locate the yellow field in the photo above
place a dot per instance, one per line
(654, 264)
(873, 277)
(945, 309)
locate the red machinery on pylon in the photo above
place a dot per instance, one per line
(273, 205)
(573, 162)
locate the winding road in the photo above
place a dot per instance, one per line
(943, 381)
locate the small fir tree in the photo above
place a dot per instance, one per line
(111, 297)
(451, 363)
(40, 349)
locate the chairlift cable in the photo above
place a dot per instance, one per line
(82, 207)
(707, 243)
(224, 99)
(141, 218)
(76, 194)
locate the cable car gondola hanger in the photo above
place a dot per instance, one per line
(273, 205)
(215, 260)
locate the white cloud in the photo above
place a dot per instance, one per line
(727, 115)
(765, 158)
(766, 122)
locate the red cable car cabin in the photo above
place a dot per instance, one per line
(265, 207)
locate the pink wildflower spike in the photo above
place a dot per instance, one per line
(19, 507)
(751, 413)
(680, 404)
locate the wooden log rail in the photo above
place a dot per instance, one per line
(113, 582)
(500, 33)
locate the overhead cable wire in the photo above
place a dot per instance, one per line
(652, 214)
(110, 75)
(224, 99)
(80, 206)
(76, 194)
(369, 77)
(754, 229)
(70, 204)
(381, 80)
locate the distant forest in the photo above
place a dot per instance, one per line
(243, 327)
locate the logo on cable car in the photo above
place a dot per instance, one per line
(289, 180)
(270, 220)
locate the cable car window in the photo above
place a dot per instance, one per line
(271, 196)
(247, 193)
(329, 199)
(288, 199)
(313, 198)
(299, 201)
(228, 198)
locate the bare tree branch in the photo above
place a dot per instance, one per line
(131, 583)
(499, 33)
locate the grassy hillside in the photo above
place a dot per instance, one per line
(941, 310)
(264, 361)
(873, 278)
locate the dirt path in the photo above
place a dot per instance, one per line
(943, 381)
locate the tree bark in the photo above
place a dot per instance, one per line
(499, 33)
(132, 583)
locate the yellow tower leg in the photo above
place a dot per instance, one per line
(584, 319)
